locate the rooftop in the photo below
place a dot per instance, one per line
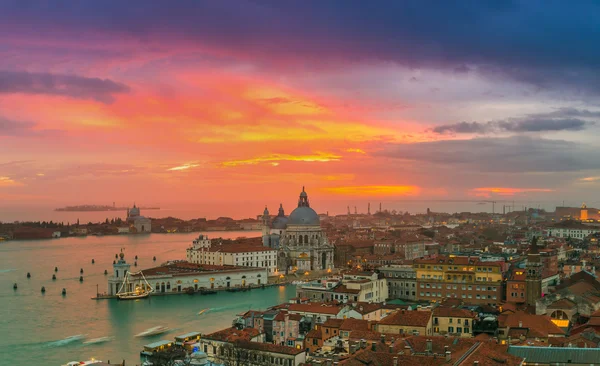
(407, 318)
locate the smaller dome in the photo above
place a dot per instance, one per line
(280, 223)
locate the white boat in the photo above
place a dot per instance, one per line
(203, 311)
(153, 331)
(133, 289)
(82, 363)
(98, 340)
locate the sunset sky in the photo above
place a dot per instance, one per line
(243, 102)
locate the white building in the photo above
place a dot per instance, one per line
(179, 276)
(299, 239)
(571, 230)
(203, 251)
(137, 223)
(353, 287)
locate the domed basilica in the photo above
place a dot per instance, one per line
(299, 238)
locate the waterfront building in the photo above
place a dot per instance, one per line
(299, 239)
(138, 224)
(401, 281)
(179, 276)
(453, 321)
(353, 287)
(243, 254)
(466, 278)
(584, 213)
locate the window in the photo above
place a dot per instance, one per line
(450, 329)
(466, 330)
(450, 320)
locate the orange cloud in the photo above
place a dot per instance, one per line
(504, 191)
(275, 159)
(355, 150)
(8, 182)
(184, 167)
(387, 190)
(590, 179)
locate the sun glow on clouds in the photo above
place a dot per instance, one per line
(590, 179)
(8, 182)
(504, 191)
(355, 150)
(384, 190)
(184, 167)
(276, 159)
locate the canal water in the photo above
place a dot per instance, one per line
(50, 329)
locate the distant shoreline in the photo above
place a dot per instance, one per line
(99, 208)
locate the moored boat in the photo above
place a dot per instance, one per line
(82, 363)
(133, 289)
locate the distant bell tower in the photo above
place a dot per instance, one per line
(533, 278)
(584, 213)
(266, 230)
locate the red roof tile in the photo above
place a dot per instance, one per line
(407, 318)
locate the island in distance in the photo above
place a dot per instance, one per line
(86, 208)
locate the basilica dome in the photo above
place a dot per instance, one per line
(304, 215)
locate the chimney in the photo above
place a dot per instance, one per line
(509, 340)
(448, 356)
(475, 363)
(429, 348)
(395, 361)
(374, 346)
(407, 350)
(383, 338)
(520, 324)
(392, 348)
(445, 348)
(363, 344)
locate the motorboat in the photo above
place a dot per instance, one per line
(153, 331)
(98, 340)
(82, 363)
(203, 311)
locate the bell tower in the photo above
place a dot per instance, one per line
(533, 278)
(120, 269)
(266, 229)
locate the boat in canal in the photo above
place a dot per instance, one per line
(134, 287)
(153, 331)
(82, 363)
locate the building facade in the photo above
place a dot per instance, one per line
(203, 251)
(533, 273)
(466, 278)
(453, 322)
(301, 243)
(138, 224)
(401, 280)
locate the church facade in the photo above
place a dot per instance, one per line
(298, 239)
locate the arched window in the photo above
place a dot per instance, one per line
(157, 287)
(300, 239)
(306, 239)
(244, 276)
(168, 285)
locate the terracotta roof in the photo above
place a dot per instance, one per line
(233, 334)
(474, 261)
(345, 290)
(445, 312)
(407, 318)
(538, 325)
(188, 269)
(563, 303)
(492, 354)
(355, 324)
(269, 347)
(315, 333)
(333, 323)
(366, 308)
(295, 317)
(316, 308)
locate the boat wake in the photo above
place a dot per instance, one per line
(6, 270)
(65, 341)
(98, 340)
(153, 331)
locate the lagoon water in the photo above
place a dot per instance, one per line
(39, 328)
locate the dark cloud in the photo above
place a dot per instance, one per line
(102, 90)
(10, 128)
(513, 154)
(543, 43)
(560, 120)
